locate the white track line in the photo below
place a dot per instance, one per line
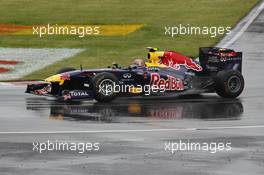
(6, 84)
(134, 130)
(244, 28)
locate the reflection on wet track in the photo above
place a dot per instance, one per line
(137, 110)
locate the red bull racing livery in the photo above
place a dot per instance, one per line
(176, 60)
(171, 83)
(165, 73)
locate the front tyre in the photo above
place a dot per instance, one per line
(104, 84)
(229, 84)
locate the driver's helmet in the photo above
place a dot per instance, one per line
(139, 62)
(154, 56)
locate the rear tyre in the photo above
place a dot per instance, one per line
(66, 69)
(229, 84)
(104, 84)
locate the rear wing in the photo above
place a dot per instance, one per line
(214, 59)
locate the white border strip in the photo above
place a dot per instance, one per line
(249, 19)
(134, 130)
(6, 84)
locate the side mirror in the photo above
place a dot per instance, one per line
(131, 67)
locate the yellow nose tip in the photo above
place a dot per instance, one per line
(55, 78)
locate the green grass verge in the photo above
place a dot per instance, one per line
(102, 51)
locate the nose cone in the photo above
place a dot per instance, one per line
(55, 78)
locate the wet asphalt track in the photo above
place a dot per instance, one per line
(132, 133)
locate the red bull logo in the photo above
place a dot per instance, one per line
(175, 60)
(171, 83)
(65, 76)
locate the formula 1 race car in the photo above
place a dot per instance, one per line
(165, 73)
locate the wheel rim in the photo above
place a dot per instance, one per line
(106, 87)
(234, 84)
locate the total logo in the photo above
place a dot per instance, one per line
(78, 93)
(68, 95)
(171, 83)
